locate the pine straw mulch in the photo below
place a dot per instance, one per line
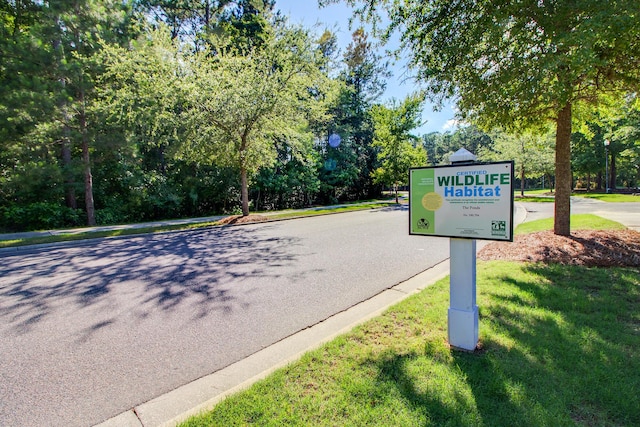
(239, 219)
(591, 248)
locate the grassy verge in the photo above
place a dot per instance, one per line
(559, 347)
(100, 234)
(528, 198)
(578, 222)
(160, 229)
(321, 211)
(544, 196)
(610, 198)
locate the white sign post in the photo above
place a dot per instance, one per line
(463, 311)
(465, 201)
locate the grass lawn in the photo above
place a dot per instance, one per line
(528, 198)
(611, 198)
(544, 196)
(559, 347)
(578, 222)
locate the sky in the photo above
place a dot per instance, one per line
(336, 18)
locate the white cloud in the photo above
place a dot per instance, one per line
(451, 124)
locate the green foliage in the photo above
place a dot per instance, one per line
(346, 170)
(578, 222)
(239, 103)
(159, 108)
(517, 65)
(292, 182)
(533, 154)
(38, 216)
(440, 146)
(398, 149)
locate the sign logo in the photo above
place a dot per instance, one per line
(423, 224)
(498, 228)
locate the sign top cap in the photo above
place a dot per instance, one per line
(462, 155)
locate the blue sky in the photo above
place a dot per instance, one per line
(336, 18)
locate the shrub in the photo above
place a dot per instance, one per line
(39, 216)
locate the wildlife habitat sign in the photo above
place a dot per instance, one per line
(472, 201)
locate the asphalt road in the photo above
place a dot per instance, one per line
(88, 331)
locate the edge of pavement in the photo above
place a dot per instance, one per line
(204, 393)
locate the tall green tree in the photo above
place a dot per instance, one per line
(398, 148)
(363, 81)
(517, 64)
(50, 78)
(241, 102)
(195, 22)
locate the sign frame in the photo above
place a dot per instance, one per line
(478, 190)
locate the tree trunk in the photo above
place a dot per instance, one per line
(599, 181)
(612, 171)
(67, 168)
(244, 191)
(65, 143)
(395, 186)
(88, 178)
(522, 180)
(86, 161)
(564, 179)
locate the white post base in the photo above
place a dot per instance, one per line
(463, 328)
(463, 311)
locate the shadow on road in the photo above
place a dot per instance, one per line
(163, 271)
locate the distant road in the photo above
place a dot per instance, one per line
(88, 331)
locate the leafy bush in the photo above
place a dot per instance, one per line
(39, 216)
(110, 216)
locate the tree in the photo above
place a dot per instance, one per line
(50, 78)
(517, 64)
(532, 153)
(440, 146)
(239, 103)
(398, 150)
(363, 81)
(196, 21)
(588, 153)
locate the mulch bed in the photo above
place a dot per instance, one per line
(610, 248)
(239, 219)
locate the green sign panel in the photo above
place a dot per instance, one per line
(469, 201)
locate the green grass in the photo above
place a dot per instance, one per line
(540, 192)
(526, 198)
(100, 234)
(559, 348)
(610, 198)
(320, 211)
(578, 222)
(544, 196)
(541, 196)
